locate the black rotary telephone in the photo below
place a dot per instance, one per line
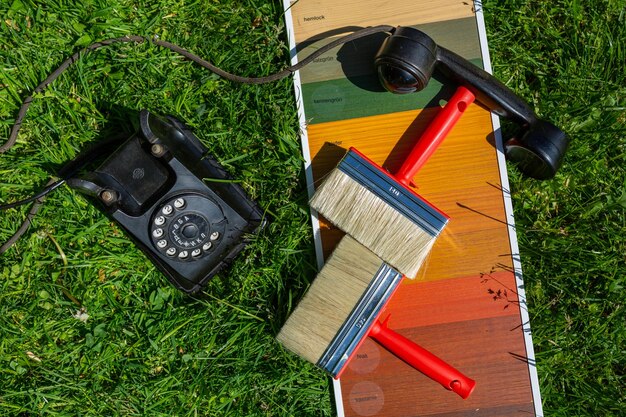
(175, 201)
(155, 183)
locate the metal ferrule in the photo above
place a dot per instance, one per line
(357, 325)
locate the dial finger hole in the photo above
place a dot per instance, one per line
(179, 203)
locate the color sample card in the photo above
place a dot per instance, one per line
(467, 304)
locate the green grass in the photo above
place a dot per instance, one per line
(147, 350)
(568, 58)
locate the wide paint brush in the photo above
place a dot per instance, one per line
(380, 210)
(341, 309)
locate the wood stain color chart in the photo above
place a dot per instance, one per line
(467, 305)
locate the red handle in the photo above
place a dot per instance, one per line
(434, 134)
(422, 360)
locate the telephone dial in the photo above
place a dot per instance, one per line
(174, 200)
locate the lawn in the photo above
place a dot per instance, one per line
(89, 327)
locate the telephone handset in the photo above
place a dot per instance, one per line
(405, 63)
(157, 186)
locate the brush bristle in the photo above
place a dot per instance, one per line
(329, 301)
(373, 222)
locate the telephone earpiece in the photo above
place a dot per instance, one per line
(406, 62)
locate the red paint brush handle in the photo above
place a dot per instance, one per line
(434, 134)
(422, 360)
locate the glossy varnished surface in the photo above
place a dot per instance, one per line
(464, 304)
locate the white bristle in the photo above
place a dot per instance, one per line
(373, 222)
(329, 301)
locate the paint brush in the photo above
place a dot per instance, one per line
(380, 210)
(341, 309)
